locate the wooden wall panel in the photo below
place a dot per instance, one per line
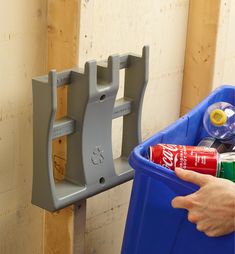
(22, 56)
(109, 27)
(25, 52)
(106, 27)
(225, 46)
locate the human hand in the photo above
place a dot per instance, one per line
(212, 207)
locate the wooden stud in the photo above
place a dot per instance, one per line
(64, 230)
(200, 52)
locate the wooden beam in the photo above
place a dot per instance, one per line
(200, 52)
(63, 230)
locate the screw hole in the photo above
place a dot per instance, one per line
(60, 141)
(102, 97)
(102, 180)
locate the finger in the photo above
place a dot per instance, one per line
(200, 226)
(182, 202)
(194, 217)
(214, 233)
(192, 176)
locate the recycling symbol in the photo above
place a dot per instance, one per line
(97, 156)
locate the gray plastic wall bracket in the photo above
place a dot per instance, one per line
(92, 105)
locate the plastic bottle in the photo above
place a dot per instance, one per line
(219, 121)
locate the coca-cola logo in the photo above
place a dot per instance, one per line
(170, 158)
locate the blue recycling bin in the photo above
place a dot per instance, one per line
(153, 226)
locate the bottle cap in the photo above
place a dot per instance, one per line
(218, 117)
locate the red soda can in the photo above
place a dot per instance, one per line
(200, 159)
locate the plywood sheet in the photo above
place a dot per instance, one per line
(22, 56)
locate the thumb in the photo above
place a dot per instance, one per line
(192, 176)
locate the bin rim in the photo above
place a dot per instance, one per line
(156, 171)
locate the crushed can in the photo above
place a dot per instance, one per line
(217, 144)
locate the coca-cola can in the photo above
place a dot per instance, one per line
(200, 159)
